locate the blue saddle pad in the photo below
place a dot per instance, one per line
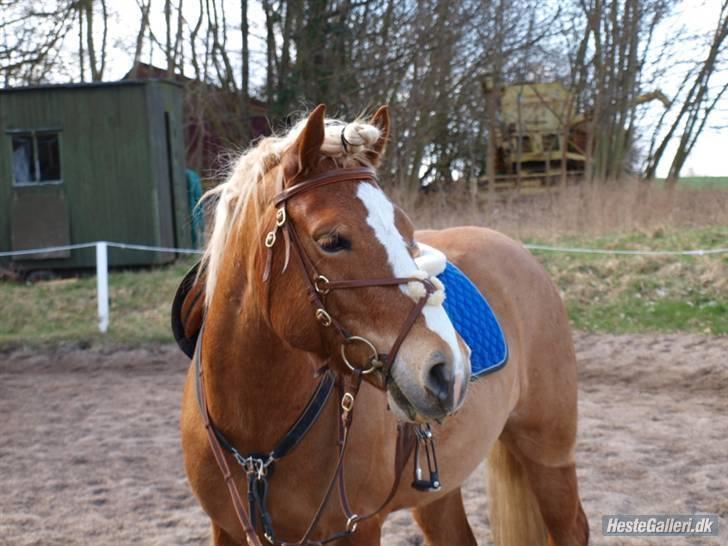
(475, 321)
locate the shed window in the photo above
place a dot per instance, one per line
(36, 157)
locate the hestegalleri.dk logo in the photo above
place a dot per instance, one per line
(693, 525)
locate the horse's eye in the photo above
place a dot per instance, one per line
(333, 242)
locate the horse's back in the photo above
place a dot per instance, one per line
(529, 307)
(514, 282)
(501, 267)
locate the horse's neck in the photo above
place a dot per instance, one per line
(255, 384)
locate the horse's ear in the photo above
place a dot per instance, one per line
(309, 142)
(380, 119)
(188, 310)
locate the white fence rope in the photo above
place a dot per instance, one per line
(102, 265)
(47, 249)
(697, 252)
(125, 246)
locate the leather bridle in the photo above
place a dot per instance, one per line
(257, 467)
(318, 286)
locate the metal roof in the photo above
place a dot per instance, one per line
(91, 85)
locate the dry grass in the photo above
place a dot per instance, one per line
(613, 293)
(587, 209)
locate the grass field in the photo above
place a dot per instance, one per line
(602, 293)
(65, 309)
(623, 293)
(709, 182)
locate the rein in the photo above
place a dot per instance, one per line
(258, 467)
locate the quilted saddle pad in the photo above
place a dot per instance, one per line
(470, 313)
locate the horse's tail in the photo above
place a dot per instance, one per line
(515, 519)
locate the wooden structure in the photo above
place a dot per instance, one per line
(540, 140)
(89, 162)
(212, 119)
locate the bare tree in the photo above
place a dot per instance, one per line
(96, 56)
(697, 105)
(427, 59)
(32, 39)
(245, 70)
(144, 7)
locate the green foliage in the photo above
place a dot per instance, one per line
(609, 293)
(703, 182)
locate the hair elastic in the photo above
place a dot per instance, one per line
(345, 143)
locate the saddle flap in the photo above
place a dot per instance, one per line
(188, 309)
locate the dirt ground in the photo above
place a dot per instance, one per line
(89, 449)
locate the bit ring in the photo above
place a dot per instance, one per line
(374, 362)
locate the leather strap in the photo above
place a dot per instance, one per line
(307, 418)
(317, 290)
(258, 489)
(217, 452)
(329, 177)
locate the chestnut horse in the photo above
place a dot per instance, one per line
(262, 339)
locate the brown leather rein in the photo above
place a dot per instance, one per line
(318, 286)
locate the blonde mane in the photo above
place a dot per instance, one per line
(233, 197)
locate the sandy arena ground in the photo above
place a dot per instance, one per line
(89, 449)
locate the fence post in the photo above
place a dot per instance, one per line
(102, 285)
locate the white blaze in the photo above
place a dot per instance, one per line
(380, 217)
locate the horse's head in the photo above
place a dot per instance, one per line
(350, 231)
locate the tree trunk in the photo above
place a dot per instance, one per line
(245, 75)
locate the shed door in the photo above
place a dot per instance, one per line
(38, 209)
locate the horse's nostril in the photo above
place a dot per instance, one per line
(439, 381)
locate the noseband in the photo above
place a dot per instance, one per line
(410, 437)
(318, 286)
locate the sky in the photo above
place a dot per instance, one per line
(709, 157)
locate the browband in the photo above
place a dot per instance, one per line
(338, 175)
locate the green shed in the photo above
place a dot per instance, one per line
(92, 162)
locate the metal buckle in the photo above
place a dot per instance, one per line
(242, 461)
(323, 317)
(281, 216)
(318, 282)
(347, 402)
(374, 362)
(351, 523)
(260, 468)
(254, 465)
(270, 239)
